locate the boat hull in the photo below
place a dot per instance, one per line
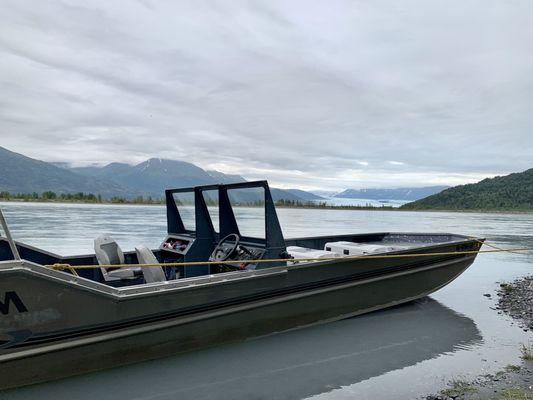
(340, 298)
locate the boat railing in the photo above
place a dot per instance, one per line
(7, 232)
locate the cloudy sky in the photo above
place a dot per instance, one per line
(305, 93)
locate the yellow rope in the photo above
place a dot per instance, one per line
(295, 260)
(495, 247)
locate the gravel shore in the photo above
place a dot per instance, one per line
(515, 382)
(516, 300)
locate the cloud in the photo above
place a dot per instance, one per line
(304, 94)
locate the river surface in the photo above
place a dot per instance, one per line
(342, 201)
(401, 353)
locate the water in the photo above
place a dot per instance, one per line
(400, 353)
(341, 201)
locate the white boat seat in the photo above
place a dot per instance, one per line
(151, 274)
(108, 252)
(359, 249)
(305, 252)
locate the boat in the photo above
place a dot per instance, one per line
(214, 279)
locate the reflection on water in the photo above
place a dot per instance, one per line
(289, 365)
(398, 353)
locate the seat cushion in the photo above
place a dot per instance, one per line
(107, 251)
(123, 273)
(153, 273)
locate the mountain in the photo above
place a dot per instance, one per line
(391, 194)
(21, 174)
(109, 171)
(302, 194)
(151, 177)
(324, 193)
(225, 178)
(280, 194)
(510, 192)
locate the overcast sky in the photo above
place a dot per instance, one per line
(309, 94)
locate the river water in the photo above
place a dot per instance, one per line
(401, 353)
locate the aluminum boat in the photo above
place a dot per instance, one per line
(215, 278)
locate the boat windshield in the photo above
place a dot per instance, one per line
(249, 208)
(212, 202)
(186, 207)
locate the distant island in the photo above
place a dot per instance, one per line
(512, 192)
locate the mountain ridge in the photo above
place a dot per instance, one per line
(22, 174)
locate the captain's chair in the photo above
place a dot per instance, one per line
(153, 273)
(108, 252)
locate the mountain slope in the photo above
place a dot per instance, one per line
(21, 174)
(510, 192)
(302, 194)
(152, 176)
(107, 172)
(220, 177)
(391, 194)
(280, 194)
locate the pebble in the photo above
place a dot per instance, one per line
(516, 300)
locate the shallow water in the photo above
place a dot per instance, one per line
(400, 353)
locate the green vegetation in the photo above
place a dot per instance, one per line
(50, 197)
(514, 394)
(512, 368)
(80, 197)
(527, 352)
(458, 388)
(513, 192)
(324, 205)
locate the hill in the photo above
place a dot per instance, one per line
(510, 192)
(391, 194)
(21, 174)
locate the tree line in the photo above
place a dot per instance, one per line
(80, 197)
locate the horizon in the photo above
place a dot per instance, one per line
(418, 93)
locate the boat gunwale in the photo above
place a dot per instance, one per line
(197, 282)
(344, 235)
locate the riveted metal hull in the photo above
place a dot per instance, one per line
(73, 326)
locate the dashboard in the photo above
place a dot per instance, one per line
(237, 256)
(177, 244)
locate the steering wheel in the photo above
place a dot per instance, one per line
(222, 254)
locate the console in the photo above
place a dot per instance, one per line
(177, 244)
